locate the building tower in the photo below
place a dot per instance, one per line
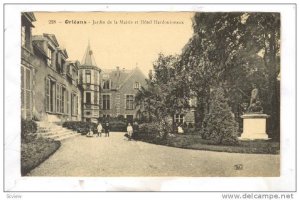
(89, 80)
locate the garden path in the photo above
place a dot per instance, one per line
(116, 156)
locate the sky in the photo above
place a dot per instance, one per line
(119, 38)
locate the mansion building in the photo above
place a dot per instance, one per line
(56, 89)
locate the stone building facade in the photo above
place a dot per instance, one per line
(27, 67)
(49, 86)
(118, 90)
(54, 88)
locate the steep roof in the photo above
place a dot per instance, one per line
(88, 58)
(119, 76)
(51, 38)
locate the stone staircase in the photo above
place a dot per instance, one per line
(53, 131)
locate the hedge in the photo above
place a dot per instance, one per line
(80, 127)
(28, 129)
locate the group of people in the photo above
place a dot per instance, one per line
(106, 129)
(100, 129)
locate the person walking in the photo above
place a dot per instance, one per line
(106, 127)
(99, 129)
(129, 131)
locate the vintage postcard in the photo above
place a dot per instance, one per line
(150, 94)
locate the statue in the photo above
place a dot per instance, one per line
(254, 121)
(255, 104)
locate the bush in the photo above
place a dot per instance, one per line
(149, 129)
(219, 124)
(28, 128)
(191, 131)
(118, 123)
(118, 126)
(80, 127)
(154, 132)
(36, 151)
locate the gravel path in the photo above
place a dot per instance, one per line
(115, 156)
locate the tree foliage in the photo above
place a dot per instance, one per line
(227, 50)
(219, 124)
(234, 50)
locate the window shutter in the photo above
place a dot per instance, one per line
(47, 85)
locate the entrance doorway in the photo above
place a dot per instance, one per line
(129, 118)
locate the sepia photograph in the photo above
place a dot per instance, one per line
(150, 94)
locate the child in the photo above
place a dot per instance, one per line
(90, 133)
(129, 131)
(99, 129)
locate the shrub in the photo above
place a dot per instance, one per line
(118, 126)
(118, 123)
(80, 127)
(191, 131)
(36, 151)
(219, 124)
(149, 129)
(28, 128)
(154, 132)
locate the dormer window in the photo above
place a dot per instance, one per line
(63, 62)
(50, 55)
(106, 84)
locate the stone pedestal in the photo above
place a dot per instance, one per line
(254, 126)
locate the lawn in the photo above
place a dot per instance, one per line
(35, 151)
(196, 142)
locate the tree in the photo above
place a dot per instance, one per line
(208, 54)
(234, 50)
(263, 35)
(219, 124)
(166, 92)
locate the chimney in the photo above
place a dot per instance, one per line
(118, 71)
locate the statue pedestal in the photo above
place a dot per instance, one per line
(254, 126)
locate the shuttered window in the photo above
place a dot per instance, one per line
(26, 92)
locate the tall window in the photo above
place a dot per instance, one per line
(106, 102)
(23, 36)
(49, 54)
(58, 98)
(63, 94)
(26, 92)
(77, 101)
(68, 102)
(74, 101)
(50, 95)
(88, 98)
(179, 118)
(129, 102)
(106, 84)
(47, 94)
(96, 98)
(88, 76)
(96, 77)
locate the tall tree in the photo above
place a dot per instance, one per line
(234, 50)
(167, 92)
(263, 36)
